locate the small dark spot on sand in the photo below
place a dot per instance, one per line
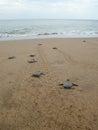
(84, 40)
(31, 55)
(88, 128)
(71, 106)
(10, 82)
(54, 48)
(79, 116)
(11, 57)
(39, 44)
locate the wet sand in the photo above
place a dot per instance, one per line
(29, 103)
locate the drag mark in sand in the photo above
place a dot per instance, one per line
(67, 57)
(44, 65)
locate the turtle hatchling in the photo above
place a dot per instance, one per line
(37, 74)
(31, 55)
(68, 84)
(11, 57)
(32, 61)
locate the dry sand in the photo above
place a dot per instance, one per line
(28, 103)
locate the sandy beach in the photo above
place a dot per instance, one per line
(29, 103)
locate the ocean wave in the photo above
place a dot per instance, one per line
(46, 33)
(17, 34)
(38, 35)
(21, 31)
(48, 28)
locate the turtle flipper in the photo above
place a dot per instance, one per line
(60, 84)
(75, 84)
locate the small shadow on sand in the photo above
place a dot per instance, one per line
(67, 88)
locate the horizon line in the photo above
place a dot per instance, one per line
(46, 19)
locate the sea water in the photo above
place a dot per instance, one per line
(47, 28)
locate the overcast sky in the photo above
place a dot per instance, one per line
(52, 9)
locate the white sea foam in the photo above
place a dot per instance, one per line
(27, 29)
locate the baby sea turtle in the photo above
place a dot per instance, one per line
(37, 74)
(39, 44)
(32, 61)
(11, 57)
(84, 40)
(68, 84)
(31, 55)
(54, 48)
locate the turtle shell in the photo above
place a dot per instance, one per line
(67, 84)
(37, 74)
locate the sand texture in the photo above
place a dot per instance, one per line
(39, 103)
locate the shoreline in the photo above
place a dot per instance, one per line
(42, 38)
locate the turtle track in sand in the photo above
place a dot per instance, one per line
(44, 65)
(67, 57)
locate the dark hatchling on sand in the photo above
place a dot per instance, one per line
(11, 57)
(31, 55)
(54, 48)
(39, 44)
(84, 40)
(37, 74)
(32, 61)
(67, 84)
